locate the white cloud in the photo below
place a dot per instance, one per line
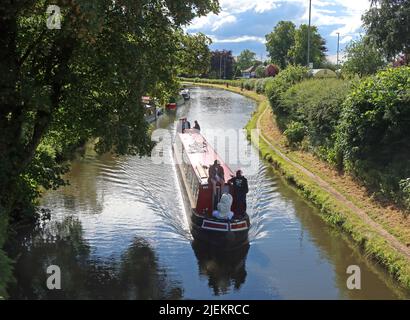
(349, 17)
(344, 15)
(223, 19)
(230, 8)
(346, 39)
(238, 39)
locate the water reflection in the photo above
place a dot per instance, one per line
(225, 270)
(120, 231)
(137, 275)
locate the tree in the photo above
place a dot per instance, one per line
(387, 23)
(246, 59)
(362, 58)
(222, 65)
(279, 42)
(260, 71)
(298, 53)
(61, 87)
(194, 55)
(271, 70)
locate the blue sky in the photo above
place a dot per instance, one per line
(243, 24)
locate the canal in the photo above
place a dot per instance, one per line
(119, 231)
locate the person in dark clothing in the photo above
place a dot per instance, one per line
(240, 187)
(196, 126)
(216, 174)
(188, 125)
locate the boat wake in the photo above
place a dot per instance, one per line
(259, 200)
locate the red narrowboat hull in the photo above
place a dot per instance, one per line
(171, 106)
(223, 234)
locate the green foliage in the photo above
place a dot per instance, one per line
(279, 42)
(388, 23)
(373, 135)
(287, 44)
(60, 88)
(362, 58)
(260, 71)
(246, 59)
(298, 52)
(249, 84)
(316, 104)
(282, 82)
(404, 185)
(194, 54)
(295, 132)
(222, 65)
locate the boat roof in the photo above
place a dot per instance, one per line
(202, 155)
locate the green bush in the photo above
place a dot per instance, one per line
(249, 84)
(295, 132)
(373, 135)
(404, 185)
(282, 82)
(317, 104)
(260, 85)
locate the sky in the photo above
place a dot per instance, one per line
(243, 24)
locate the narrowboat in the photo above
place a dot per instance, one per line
(175, 102)
(185, 94)
(151, 111)
(193, 155)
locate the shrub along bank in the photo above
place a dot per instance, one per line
(361, 127)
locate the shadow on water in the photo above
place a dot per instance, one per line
(137, 275)
(225, 270)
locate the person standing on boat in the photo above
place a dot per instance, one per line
(216, 175)
(240, 187)
(185, 125)
(196, 126)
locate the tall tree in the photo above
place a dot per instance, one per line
(298, 52)
(246, 59)
(194, 55)
(279, 42)
(362, 58)
(222, 65)
(78, 80)
(387, 23)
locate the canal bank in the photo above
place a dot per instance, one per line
(385, 244)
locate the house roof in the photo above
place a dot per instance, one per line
(250, 69)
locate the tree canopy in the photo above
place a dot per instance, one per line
(279, 42)
(62, 85)
(287, 44)
(362, 58)
(222, 64)
(387, 23)
(194, 55)
(298, 52)
(246, 59)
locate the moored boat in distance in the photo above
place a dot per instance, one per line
(151, 111)
(185, 94)
(193, 156)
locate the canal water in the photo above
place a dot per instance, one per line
(119, 231)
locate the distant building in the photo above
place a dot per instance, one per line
(249, 73)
